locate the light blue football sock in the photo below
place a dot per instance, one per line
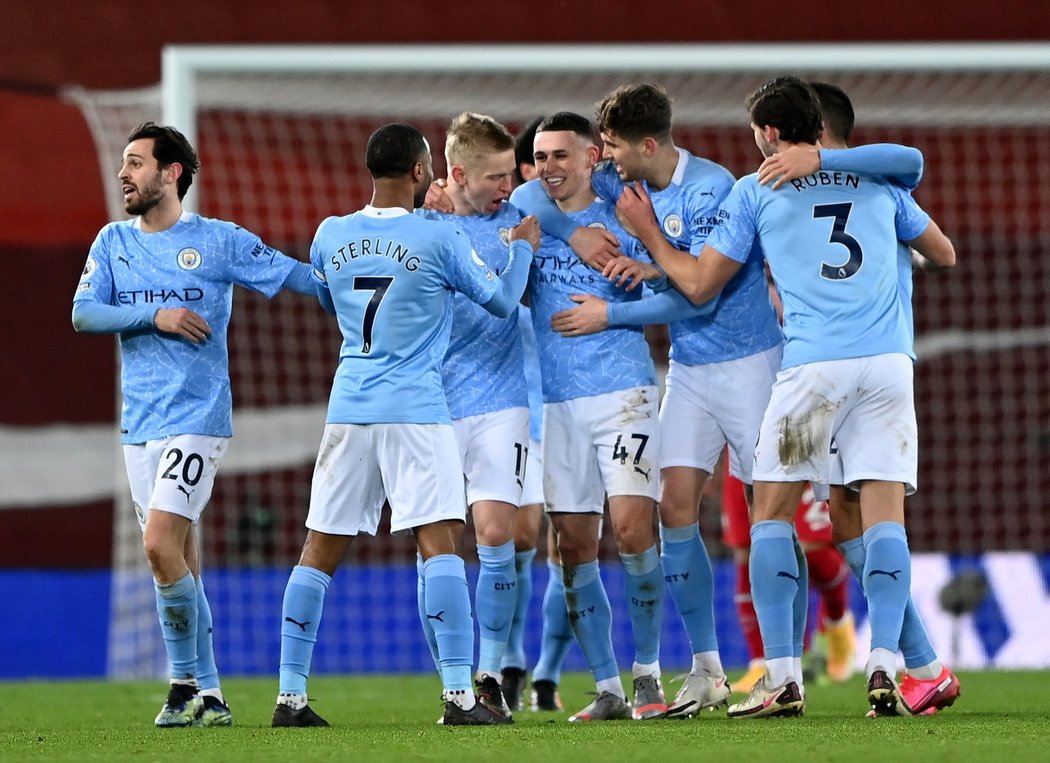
(207, 672)
(590, 616)
(887, 582)
(557, 635)
(494, 602)
(687, 570)
(421, 606)
(448, 611)
(644, 589)
(915, 642)
(177, 610)
(775, 581)
(300, 619)
(514, 655)
(800, 604)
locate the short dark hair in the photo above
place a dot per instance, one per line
(523, 147)
(393, 150)
(790, 105)
(170, 147)
(836, 108)
(568, 121)
(634, 112)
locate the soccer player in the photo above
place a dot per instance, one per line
(927, 685)
(163, 281)
(722, 363)
(830, 240)
(556, 634)
(388, 275)
(599, 433)
(484, 379)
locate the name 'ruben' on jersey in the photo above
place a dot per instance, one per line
(483, 371)
(580, 366)
(744, 321)
(391, 275)
(831, 240)
(170, 385)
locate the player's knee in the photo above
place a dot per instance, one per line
(633, 536)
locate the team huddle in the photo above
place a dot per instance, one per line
(430, 407)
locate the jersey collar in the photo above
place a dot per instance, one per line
(384, 212)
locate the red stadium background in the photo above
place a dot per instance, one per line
(52, 205)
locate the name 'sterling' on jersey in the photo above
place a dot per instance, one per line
(377, 247)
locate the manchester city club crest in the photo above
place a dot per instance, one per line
(89, 267)
(189, 259)
(673, 226)
(504, 235)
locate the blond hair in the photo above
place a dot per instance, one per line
(471, 137)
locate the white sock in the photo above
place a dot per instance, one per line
(216, 692)
(648, 669)
(465, 699)
(613, 686)
(294, 701)
(927, 672)
(779, 670)
(707, 664)
(881, 659)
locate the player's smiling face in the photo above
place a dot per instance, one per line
(488, 181)
(141, 178)
(563, 162)
(627, 157)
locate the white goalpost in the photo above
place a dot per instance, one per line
(281, 131)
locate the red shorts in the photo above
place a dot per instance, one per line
(812, 521)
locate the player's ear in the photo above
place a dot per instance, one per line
(457, 174)
(771, 133)
(649, 146)
(173, 172)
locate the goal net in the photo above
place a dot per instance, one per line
(281, 132)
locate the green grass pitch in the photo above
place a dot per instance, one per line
(1001, 716)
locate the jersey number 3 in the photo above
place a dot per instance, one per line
(849, 268)
(378, 285)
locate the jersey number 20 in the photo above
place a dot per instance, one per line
(849, 268)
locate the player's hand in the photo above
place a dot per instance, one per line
(527, 230)
(624, 270)
(629, 273)
(437, 199)
(594, 246)
(787, 165)
(590, 317)
(635, 208)
(182, 321)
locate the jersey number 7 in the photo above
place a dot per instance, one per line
(378, 285)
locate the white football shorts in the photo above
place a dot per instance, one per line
(174, 474)
(494, 449)
(866, 404)
(359, 466)
(708, 406)
(532, 491)
(600, 445)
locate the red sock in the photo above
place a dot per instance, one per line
(745, 610)
(829, 576)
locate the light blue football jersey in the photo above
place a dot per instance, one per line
(743, 322)
(831, 240)
(533, 378)
(581, 366)
(391, 275)
(483, 371)
(170, 385)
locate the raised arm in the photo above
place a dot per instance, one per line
(594, 246)
(899, 164)
(524, 241)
